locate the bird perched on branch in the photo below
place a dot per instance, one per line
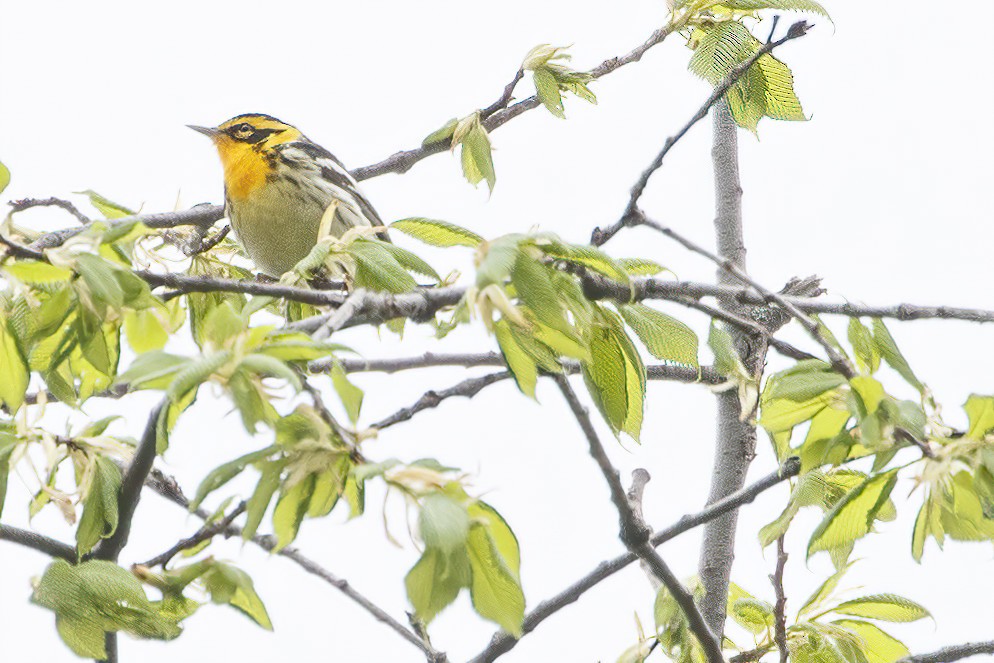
(278, 185)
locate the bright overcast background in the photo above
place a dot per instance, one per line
(884, 193)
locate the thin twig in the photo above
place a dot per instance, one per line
(19, 250)
(505, 97)
(431, 399)
(38, 542)
(209, 243)
(183, 284)
(635, 534)
(167, 487)
(780, 608)
(502, 642)
(205, 533)
(631, 215)
(28, 203)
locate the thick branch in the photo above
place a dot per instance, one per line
(38, 542)
(131, 487)
(635, 533)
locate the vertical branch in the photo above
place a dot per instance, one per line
(735, 443)
(780, 609)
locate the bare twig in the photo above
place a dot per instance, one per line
(431, 399)
(167, 487)
(635, 534)
(28, 203)
(38, 542)
(954, 653)
(501, 643)
(208, 531)
(131, 487)
(401, 162)
(505, 97)
(19, 250)
(780, 608)
(206, 244)
(631, 215)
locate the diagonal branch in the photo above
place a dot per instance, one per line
(208, 531)
(432, 399)
(631, 214)
(635, 533)
(501, 643)
(167, 487)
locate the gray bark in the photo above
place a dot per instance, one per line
(736, 441)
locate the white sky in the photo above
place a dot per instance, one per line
(883, 193)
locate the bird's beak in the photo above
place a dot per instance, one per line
(210, 132)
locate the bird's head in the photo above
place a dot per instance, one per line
(244, 134)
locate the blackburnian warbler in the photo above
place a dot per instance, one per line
(277, 186)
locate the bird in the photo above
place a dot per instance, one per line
(278, 185)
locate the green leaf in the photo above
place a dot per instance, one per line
(892, 355)
(500, 532)
(37, 272)
(477, 160)
(258, 503)
(108, 208)
(100, 510)
(852, 516)
(290, 511)
(98, 274)
(807, 380)
(444, 133)
(980, 410)
(153, 370)
(443, 523)
(230, 585)
(437, 233)
(864, 346)
(753, 615)
(350, 394)
(15, 372)
(876, 644)
(378, 269)
(495, 590)
(533, 283)
(641, 266)
(407, 260)
(8, 442)
(222, 474)
(586, 256)
(615, 375)
(824, 590)
(547, 89)
(434, 582)
(4, 177)
(785, 5)
(523, 366)
(665, 337)
(95, 597)
(144, 331)
(885, 607)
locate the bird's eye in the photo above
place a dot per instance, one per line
(245, 128)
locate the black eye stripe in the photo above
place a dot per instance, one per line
(257, 136)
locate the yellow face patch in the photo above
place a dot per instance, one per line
(243, 143)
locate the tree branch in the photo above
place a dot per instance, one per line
(631, 215)
(780, 608)
(38, 542)
(499, 113)
(131, 486)
(205, 533)
(432, 399)
(635, 533)
(501, 643)
(167, 487)
(954, 653)
(184, 284)
(28, 203)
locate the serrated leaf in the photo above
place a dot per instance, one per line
(377, 269)
(533, 283)
(784, 5)
(494, 589)
(892, 354)
(437, 233)
(885, 607)
(408, 260)
(852, 517)
(523, 367)
(547, 90)
(665, 337)
(477, 159)
(876, 644)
